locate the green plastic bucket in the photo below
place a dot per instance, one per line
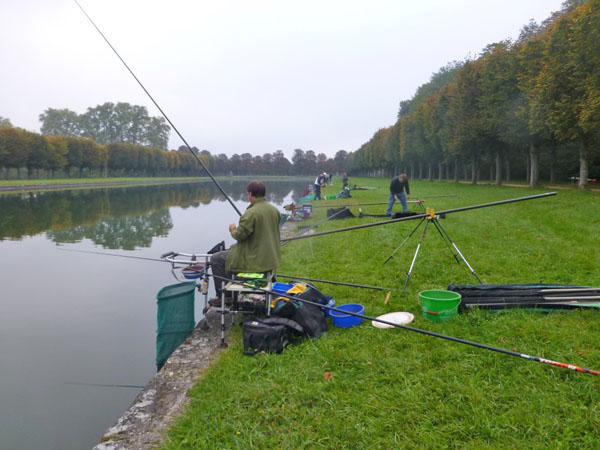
(439, 305)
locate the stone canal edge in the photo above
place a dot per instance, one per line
(145, 423)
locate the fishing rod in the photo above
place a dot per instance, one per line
(161, 259)
(316, 225)
(419, 216)
(378, 288)
(418, 200)
(161, 111)
(111, 254)
(361, 204)
(171, 261)
(426, 332)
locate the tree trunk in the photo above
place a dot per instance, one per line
(429, 172)
(420, 170)
(498, 158)
(583, 168)
(553, 164)
(534, 156)
(456, 170)
(474, 168)
(440, 171)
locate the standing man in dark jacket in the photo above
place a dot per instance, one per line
(258, 247)
(398, 185)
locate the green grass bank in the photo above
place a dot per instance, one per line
(370, 388)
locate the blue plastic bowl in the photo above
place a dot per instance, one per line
(342, 320)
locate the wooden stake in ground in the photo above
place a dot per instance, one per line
(387, 297)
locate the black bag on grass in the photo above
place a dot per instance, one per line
(271, 334)
(310, 317)
(339, 213)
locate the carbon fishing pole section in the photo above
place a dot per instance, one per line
(418, 200)
(420, 216)
(421, 331)
(161, 111)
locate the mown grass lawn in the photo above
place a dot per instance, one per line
(365, 387)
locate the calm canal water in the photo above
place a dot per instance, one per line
(77, 340)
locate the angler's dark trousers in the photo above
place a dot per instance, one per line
(217, 261)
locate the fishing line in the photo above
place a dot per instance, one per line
(161, 111)
(105, 385)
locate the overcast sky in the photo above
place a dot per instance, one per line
(240, 76)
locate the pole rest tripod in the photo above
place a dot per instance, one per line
(434, 219)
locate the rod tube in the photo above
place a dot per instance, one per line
(562, 291)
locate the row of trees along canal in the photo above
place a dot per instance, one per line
(519, 109)
(122, 140)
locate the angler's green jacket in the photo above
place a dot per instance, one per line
(258, 247)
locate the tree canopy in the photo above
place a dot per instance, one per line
(518, 108)
(107, 124)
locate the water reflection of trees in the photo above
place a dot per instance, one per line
(118, 217)
(119, 232)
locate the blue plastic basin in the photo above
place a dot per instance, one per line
(342, 320)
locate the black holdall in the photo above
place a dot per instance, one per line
(270, 335)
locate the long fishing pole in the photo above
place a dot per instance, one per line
(161, 111)
(316, 225)
(378, 288)
(427, 332)
(332, 205)
(111, 254)
(419, 216)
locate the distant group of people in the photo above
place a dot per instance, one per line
(399, 189)
(323, 179)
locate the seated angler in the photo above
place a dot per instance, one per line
(258, 246)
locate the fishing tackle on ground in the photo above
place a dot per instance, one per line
(433, 334)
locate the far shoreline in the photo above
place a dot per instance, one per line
(48, 184)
